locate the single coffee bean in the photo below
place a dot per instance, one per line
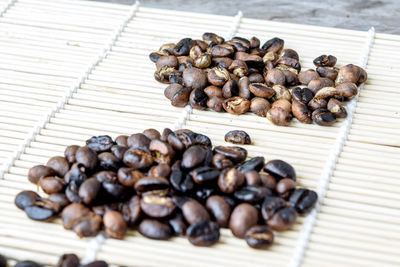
(212, 91)
(222, 62)
(280, 169)
(115, 224)
(279, 116)
(222, 50)
(195, 78)
(328, 72)
(106, 176)
(81, 220)
(230, 89)
(239, 68)
(59, 164)
(149, 183)
(326, 92)
(268, 180)
(68, 260)
(157, 206)
(25, 199)
(108, 161)
(275, 76)
(212, 38)
(52, 184)
(70, 152)
(193, 157)
(166, 62)
(237, 137)
(198, 99)
(307, 76)
(289, 64)
(256, 78)
(301, 112)
(275, 45)
(236, 105)
(285, 187)
(76, 174)
(161, 170)
(87, 157)
(303, 95)
(138, 158)
(234, 153)
(252, 178)
(252, 194)
(152, 134)
(303, 200)
(42, 210)
(283, 219)
(205, 175)
(220, 161)
(182, 48)
(317, 84)
(317, 103)
(271, 205)
(323, 117)
(216, 103)
(117, 192)
(256, 163)
(259, 236)
(181, 181)
(219, 209)
(178, 225)
(27, 264)
(243, 86)
(100, 143)
(155, 229)
(60, 199)
(243, 217)
(347, 89)
(131, 211)
(203, 233)
(230, 180)
(194, 212)
(260, 106)
(201, 140)
(325, 61)
(119, 151)
(162, 151)
(89, 191)
(336, 108)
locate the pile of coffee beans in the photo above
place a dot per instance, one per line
(66, 260)
(165, 184)
(239, 75)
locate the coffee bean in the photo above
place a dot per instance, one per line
(114, 224)
(222, 50)
(328, 72)
(162, 151)
(119, 151)
(178, 225)
(138, 158)
(42, 210)
(317, 84)
(275, 45)
(325, 61)
(268, 180)
(285, 187)
(198, 99)
(307, 76)
(237, 137)
(301, 112)
(244, 89)
(155, 229)
(218, 76)
(220, 161)
(323, 117)
(303, 95)
(234, 153)
(316, 103)
(181, 181)
(70, 152)
(252, 194)
(149, 183)
(157, 206)
(131, 211)
(236, 105)
(347, 89)
(194, 78)
(25, 199)
(216, 103)
(87, 157)
(59, 164)
(68, 260)
(230, 89)
(271, 205)
(283, 219)
(193, 157)
(303, 200)
(182, 48)
(212, 91)
(138, 140)
(279, 116)
(260, 106)
(51, 184)
(259, 236)
(161, 170)
(100, 143)
(256, 163)
(230, 180)
(81, 220)
(60, 199)
(336, 108)
(275, 76)
(109, 161)
(252, 178)
(194, 212)
(89, 191)
(219, 209)
(239, 68)
(243, 217)
(205, 175)
(280, 169)
(203, 233)
(256, 78)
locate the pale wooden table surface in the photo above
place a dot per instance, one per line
(384, 15)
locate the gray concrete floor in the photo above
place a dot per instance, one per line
(384, 15)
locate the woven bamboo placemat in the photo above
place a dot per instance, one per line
(73, 69)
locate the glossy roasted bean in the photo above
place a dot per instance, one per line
(194, 212)
(285, 187)
(275, 76)
(115, 224)
(89, 191)
(203, 233)
(307, 76)
(325, 61)
(100, 143)
(243, 217)
(198, 99)
(68, 260)
(280, 169)
(51, 184)
(81, 220)
(157, 206)
(260, 106)
(131, 211)
(25, 199)
(194, 78)
(237, 137)
(323, 117)
(336, 108)
(155, 229)
(205, 175)
(219, 209)
(108, 161)
(303, 95)
(303, 200)
(301, 112)
(149, 183)
(279, 116)
(283, 219)
(256, 163)
(259, 236)
(87, 157)
(230, 179)
(178, 225)
(193, 157)
(59, 164)
(234, 153)
(275, 45)
(70, 152)
(252, 194)
(138, 158)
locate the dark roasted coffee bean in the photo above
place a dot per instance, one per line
(336, 108)
(102, 209)
(166, 63)
(149, 183)
(283, 219)
(252, 178)
(212, 38)
(239, 68)
(328, 72)
(164, 135)
(323, 117)
(275, 45)
(38, 171)
(115, 224)
(317, 84)
(203, 193)
(178, 225)
(303, 95)
(218, 76)
(182, 48)
(285, 187)
(268, 180)
(152, 133)
(60, 199)
(236, 105)
(229, 180)
(203, 233)
(108, 161)
(243, 86)
(220, 162)
(106, 176)
(100, 143)
(25, 199)
(325, 61)
(234, 153)
(219, 209)
(222, 50)
(76, 174)
(193, 157)
(301, 111)
(261, 90)
(303, 200)
(89, 191)
(71, 192)
(254, 164)
(317, 103)
(138, 158)
(205, 175)
(59, 164)
(252, 194)
(70, 152)
(270, 206)
(181, 181)
(131, 211)
(256, 78)
(81, 220)
(117, 192)
(52, 184)
(260, 106)
(195, 78)
(243, 217)
(306, 76)
(181, 97)
(198, 99)
(238, 137)
(194, 212)
(201, 140)
(119, 151)
(155, 229)
(279, 116)
(42, 210)
(280, 169)
(68, 260)
(27, 264)
(175, 76)
(87, 157)
(347, 89)
(162, 151)
(259, 236)
(161, 170)
(138, 140)
(157, 206)
(230, 89)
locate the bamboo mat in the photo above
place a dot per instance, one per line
(73, 69)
